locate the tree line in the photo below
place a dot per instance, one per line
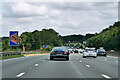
(108, 38)
(34, 40)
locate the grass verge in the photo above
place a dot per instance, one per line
(8, 57)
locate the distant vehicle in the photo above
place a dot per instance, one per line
(89, 52)
(80, 50)
(112, 51)
(76, 51)
(70, 50)
(59, 52)
(101, 52)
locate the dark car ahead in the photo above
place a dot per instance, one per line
(101, 52)
(59, 52)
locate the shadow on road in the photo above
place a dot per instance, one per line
(56, 59)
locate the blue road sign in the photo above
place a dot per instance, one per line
(45, 46)
(13, 38)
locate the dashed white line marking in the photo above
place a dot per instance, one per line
(21, 74)
(76, 58)
(36, 65)
(29, 68)
(105, 76)
(88, 65)
(116, 61)
(80, 61)
(43, 60)
(105, 59)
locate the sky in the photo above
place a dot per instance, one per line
(64, 17)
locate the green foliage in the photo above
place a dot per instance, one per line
(109, 38)
(34, 40)
(76, 38)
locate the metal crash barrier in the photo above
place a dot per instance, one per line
(9, 53)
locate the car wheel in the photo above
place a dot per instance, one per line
(84, 56)
(105, 55)
(51, 58)
(67, 58)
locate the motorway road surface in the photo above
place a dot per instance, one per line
(77, 67)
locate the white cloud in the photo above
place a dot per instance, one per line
(25, 9)
(65, 18)
(55, 13)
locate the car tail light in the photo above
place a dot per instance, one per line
(86, 51)
(98, 52)
(94, 51)
(104, 52)
(65, 52)
(52, 52)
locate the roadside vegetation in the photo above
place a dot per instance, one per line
(13, 56)
(34, 41)
(109, 38)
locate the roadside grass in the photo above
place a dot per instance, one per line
(8, 57)
(37, 52)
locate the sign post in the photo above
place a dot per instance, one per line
(23, 48)
(45, 46)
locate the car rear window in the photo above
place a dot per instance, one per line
(90, 49)
(58, 49)
(101, 50)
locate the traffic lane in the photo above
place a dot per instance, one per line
(101, 66)
(112, 59)
(62, 69)
(77, 69)
(58, 68)
(13, 67)
(84, 68)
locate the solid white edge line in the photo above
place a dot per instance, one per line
(105, 76)
(13, 59)
(88, 65)
(36, 64)
(21, 74)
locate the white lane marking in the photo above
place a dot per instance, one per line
(19, 75)
(76, 58)
(43, 60)
(80, 61)
(48, 58)
(79, 74)
(29, 68)
(105, 59)
(105, 76)
(112, 57)
(116, 61)
(88, 65)
(36, 65)
(13, 59)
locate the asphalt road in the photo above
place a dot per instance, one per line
(77, 67)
